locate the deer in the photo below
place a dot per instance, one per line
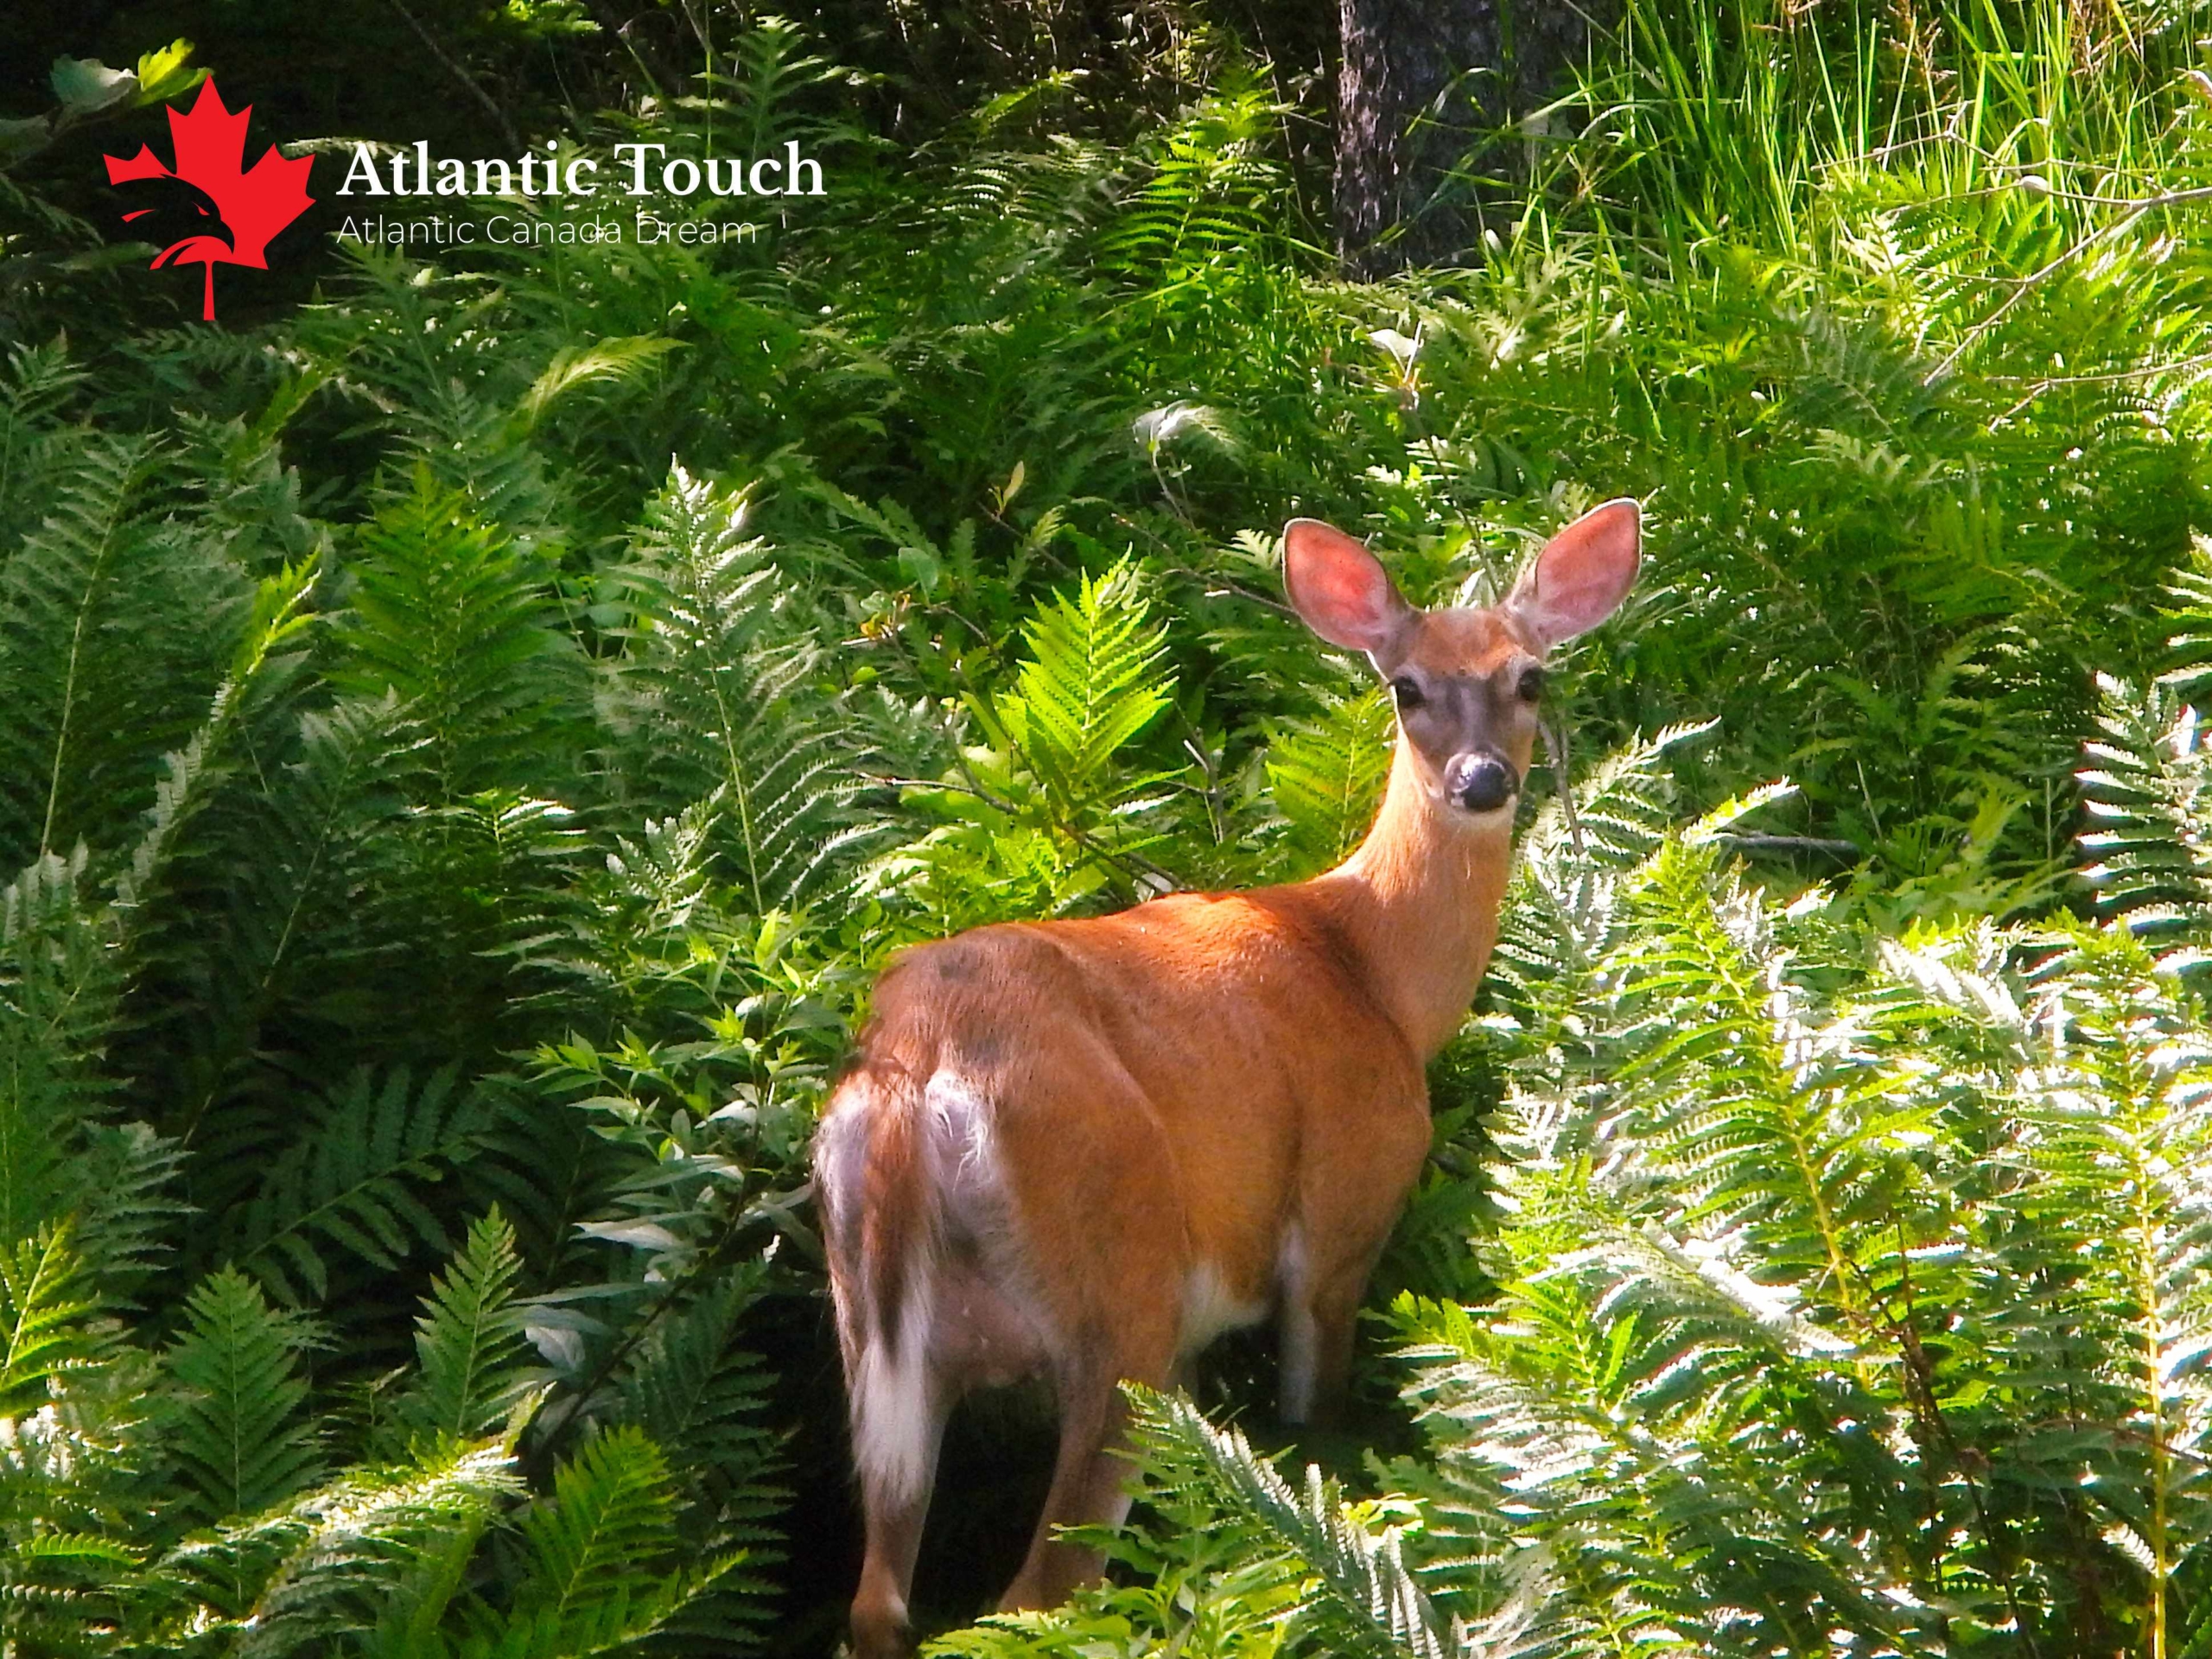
(1080, 1149)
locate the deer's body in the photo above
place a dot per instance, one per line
(1083, 1149)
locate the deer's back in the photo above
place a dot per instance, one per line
(1184, 1073)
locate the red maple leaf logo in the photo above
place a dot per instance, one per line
(228, 214)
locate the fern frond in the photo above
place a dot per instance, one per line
(46, 1306)
(2144, 789)
(595, 1548)
(469, 1341)
(1327, 775)
(97, 665)
(38, 383)
(457, 623)
(236, 1430)
(1094, 679)
(276, 617)
(712, 696)
(128, 1207)
(1362, 1598)
(694, 1390)
(1567, 906)
(58, 986)
(604, 360)
(344, 1549)
(348, 1180)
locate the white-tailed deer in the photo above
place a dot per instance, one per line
(1083, 1149)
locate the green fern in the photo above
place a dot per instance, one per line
(714, 695)
(274, 619)
(1567, 904)
(1360, 1596)
(57, 983)
(38, 384)
(469, 1343)
(1094, 680)
(344, 1552)
(602, 361)
(1213, 188)
(262, 935)
(691, 1388)
(592, 1575)
(458, 623)
(236, 1430)
(591, 1548)
(2153, 857)
(1327, 776)
(348, 1180)
(97, 665)
(45, 1307)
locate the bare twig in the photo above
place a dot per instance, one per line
(1827, 846)
(1131, 864)
(2026, 285)
(2036, 388)
(429, 44)
(1562, 779)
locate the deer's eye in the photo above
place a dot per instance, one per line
(1532, 685)
(1408, 694)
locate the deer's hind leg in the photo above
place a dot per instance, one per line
(894, 1515)
(1102, 1227)
(1090, 1476)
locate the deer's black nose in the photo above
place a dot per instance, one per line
(1482, 783)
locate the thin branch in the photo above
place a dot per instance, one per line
(2054, 382)
(2026, 285)
(1848, 851)
(499, 115)
(1131, 864)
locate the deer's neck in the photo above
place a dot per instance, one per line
(1418, 901)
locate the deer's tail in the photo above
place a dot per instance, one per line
(881, 1208)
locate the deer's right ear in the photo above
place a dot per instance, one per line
(1340, 588)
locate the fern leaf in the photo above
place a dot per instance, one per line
(237, 1431)
(605, 360)
(1094, 680)
(345, 1548)
(2145, 791)
(45, 1307)
(99, 667)
(1362, 1598)
(595, 1548)
(58, 984)
(1327, 777)
(452, 619)
(469, 1341)
(276, 617)
(693, 1390)
(349, 1177)
(714, 693)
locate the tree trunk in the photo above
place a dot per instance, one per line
(1419, 85)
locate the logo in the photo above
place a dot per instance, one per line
(210, 208)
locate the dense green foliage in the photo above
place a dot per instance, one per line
(470, 738)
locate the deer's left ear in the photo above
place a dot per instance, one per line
(1581, 576)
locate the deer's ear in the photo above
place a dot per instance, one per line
(1581, 576)
(1340, 588)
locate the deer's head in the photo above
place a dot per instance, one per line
(1467, 682)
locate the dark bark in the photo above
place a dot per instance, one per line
(1421, 86)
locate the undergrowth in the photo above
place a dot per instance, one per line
(471, 740)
